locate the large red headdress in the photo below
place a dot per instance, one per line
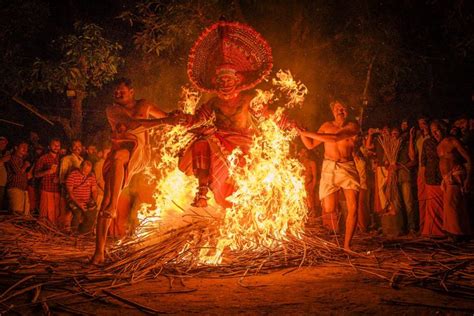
(229, 46)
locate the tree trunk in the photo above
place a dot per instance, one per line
(77, 114)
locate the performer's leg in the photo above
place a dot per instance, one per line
(201, 164)
(113, 185)
(330, 218)
(351, 220)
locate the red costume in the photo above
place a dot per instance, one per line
(239, 52)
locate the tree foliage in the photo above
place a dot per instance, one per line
(87, 60)
(21, 23)
(167, 27)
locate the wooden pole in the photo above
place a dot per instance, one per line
(31, 108)
(12, 123)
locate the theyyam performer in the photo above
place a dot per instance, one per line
(227, 60)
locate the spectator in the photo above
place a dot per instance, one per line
(405, 180)
(81, 188)
(91, 154)
(67, 165)
(455, 184)
(18, 175)
(4, 157)
(47, 171)
(432, 223)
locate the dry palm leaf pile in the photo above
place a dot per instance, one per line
(41, 266)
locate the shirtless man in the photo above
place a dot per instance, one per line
(130, 153)
(338, 170)
(456, 181)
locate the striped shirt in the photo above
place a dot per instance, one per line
(49, 182)
(81, 186)
(17, 178)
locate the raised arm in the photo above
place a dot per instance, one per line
(351, 130)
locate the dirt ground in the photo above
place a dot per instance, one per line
(308, 290)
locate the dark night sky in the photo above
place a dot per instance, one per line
(422, 34)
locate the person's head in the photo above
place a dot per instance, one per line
(76, 147)
(3, 143)
(21, 149)
(437, 130)
(404, 125)
(124, 93)
(423, 123)
(339, 110)
(386, 130)
(454, 131)
(227, 80)
(462, 123)
(55, 145)
(91, 150)
(34, 137)
(395, 132)
(86, 167)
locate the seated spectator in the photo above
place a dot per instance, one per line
(18, 175)
(81, 198)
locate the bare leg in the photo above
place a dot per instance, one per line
(329, 210)
(109, 205)
(351, 220)
(201, 164)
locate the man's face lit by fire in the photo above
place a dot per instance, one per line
(227, 84)
(422, 124)
(76, 148)
(21, 150)
(340, 111)
(404, 126)
(55, 146)
(86, 168)
(124, 95)
(436, 132)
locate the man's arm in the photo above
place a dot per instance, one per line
(155, 112)
(464, 153)
(308, 142)
(349, 131)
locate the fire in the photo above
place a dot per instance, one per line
(269, 203)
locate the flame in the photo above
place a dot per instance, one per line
(294, 90)
(269, 203)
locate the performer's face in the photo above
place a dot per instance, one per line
(86, 169)
(339, 111)
(227, 84)
(123, 95)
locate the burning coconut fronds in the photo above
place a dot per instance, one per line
(391, 147)
(41, 263)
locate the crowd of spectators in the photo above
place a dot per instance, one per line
(423, 191)
(62, 186)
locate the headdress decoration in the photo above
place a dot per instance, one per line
(229, 47)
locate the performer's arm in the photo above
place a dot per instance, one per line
(347, 132)
(155, 112)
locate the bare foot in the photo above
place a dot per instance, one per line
(199, 202)
(97, 259)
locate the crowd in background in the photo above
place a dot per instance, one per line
(408, 194)
(411, 193)
(62, 186)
